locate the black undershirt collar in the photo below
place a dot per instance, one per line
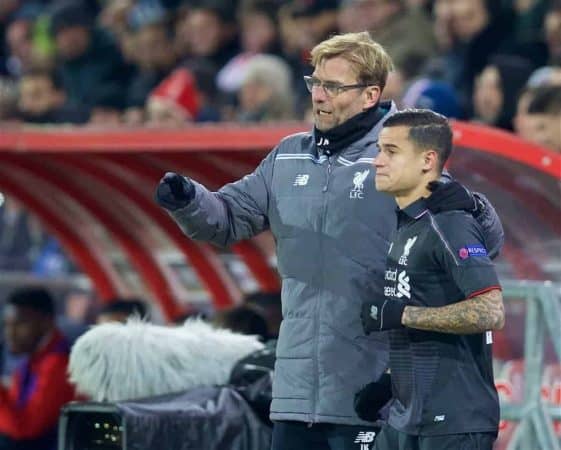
(342, 136)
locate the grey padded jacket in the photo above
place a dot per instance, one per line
(331, 229)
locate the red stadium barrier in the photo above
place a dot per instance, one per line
(79, 181)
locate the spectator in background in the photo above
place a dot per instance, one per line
(266, 94)
(20, 241)
(208, 33)
(77, 314)
(242, 319)
(436, 95)
(527, 29)
(29, 409)
(545, 114)
(7, 7)
(42, 100)
(19, 40)
(186, 95)
(404, 32)
(109, 108)
(175, 101)
(8, 99)
(155, 56)
(546, 75)
(522, 121)
(88, 57)
(50, 260)
(497, 88)
(302, 25)
(120, 310)
(552, 27)
(114, 16)
(473, 30)
(258, 34)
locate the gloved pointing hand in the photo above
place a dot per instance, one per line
(174, 191)
(450, 196)
(381, 314)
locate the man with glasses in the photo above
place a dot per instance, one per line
(315, 192)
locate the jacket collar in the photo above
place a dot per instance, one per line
(413, 212)
(356, 149)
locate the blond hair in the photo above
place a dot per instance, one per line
(368, 58)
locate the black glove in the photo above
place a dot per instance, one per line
(174, 191)
(381, 314)
(450, 196)
(373, 397)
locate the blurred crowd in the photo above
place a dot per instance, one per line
(166, 63)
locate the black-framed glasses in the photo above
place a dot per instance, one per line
(331, 88)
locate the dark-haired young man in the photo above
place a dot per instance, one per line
(441, 299)
(29, 409)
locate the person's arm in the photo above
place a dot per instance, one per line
(483, 312)
(237, 211)
(491, 224)
(40, 412)
(449, 195)
(458, 250)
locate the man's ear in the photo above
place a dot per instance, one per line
(430, 160)
(373, 94)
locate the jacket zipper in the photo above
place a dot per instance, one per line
(316, 359)
(326, 185)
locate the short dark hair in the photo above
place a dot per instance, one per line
(35, 298)
(69, 13)
(128, 307)
(427, 130)
(547, 100)
(243, 319)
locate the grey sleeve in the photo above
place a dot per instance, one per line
(237, 211)
(491, 225)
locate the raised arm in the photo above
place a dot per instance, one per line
(237, 211)
(478, 314)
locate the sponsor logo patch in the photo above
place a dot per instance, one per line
(472, 250)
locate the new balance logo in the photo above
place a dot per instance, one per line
(301, 179)
(365, 437)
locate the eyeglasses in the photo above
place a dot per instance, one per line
(331, 88)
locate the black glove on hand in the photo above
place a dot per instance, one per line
(373, 397)
(450, 196)
(174, 191)
(381, 314)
